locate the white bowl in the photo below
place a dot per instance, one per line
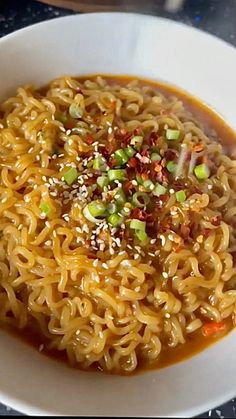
(153, 48)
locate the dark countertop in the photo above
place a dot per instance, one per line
(215, 16)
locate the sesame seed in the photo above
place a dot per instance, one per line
(48, 242)
(167, 315)
(137, 289)
(163, 240)
(95, 263)
(210, 187)
(171, 191)
(165, 274)
(136, 256)
(153, 241)
(47, 224)
(104, 265)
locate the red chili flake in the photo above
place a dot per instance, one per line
(171, 154)
(178, 248)
(133, 162)
(165, 225)
(113, 105)
(89, 139)
(138, 214)
(78, 90)
(112, 162)
(195, 189)
(178, 186)
(128, 186)
(184, 231)
(70, 124)
(153, 138)
(164, 112)
(150, 219)
(206, 232)
(157, 167)
(92, 256)
(216, 220)
(144, 176)
(145, 152)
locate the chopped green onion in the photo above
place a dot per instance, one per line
(112, 208)
(130, 151)
(172, 134)
(115, 220)
(89, 216)
(45, 208)
(125, 211)
(99, 164)
(60, 117)
(171, 166)
(148, 185)
(139, 179)
(159, 190)
(71, 175)
(138, 225)
(75, 111)
(116, 174)
(102, 181)
(121, 157)
(180, 196)
(96, 208)
(155, 157)
(141, 235)
(120, 196)
(202, 171)
(140, 199)
(137, 141)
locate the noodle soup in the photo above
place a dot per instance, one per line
(117, 222)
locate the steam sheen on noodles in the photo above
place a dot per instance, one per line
(117, 217)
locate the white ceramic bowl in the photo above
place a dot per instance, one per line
(158, 49)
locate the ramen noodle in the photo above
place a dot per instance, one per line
(117, 223)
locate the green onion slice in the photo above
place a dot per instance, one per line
(130, 151)
(202, 171)
(140, 199)
(121, 157)
(148, 185)
(172, 134)
(141, 235)
(71, 175)
(89, 216)
(102, 181)
(115, 220)
(137, 141)
(180, 196)
(75, 111)
(171, 166)
(61, 118)
(159, 190)
(100, 164)
(116, 174)
(97, 208)
(155, 157)
(112, 208)
(120, 196)
(138, 225)
(45, 208)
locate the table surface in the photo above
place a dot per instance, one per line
(215, 16)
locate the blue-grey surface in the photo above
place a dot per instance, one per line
(215, 16)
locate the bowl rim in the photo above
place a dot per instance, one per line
(19, 404)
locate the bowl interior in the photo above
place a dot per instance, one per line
(153, 48)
